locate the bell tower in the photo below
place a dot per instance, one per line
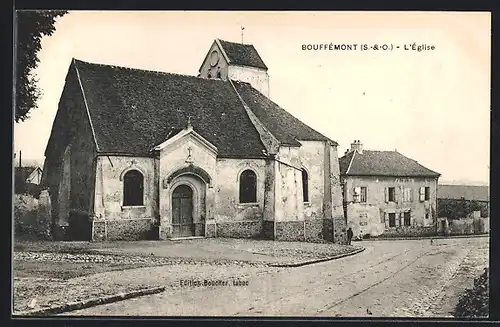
(236, 61)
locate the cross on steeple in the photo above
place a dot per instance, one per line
(189, 122)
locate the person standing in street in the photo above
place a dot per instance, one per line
(349, 235)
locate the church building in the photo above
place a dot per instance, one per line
(136, 154)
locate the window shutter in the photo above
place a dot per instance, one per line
(357, 194)
(422, 194)
(386, 192)
(386, 219)
(410, 194)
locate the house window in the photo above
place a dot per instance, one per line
(391, 192)
(133, 188)
(363, 194)
(407, 218)
(218, 75)
(392, 219)
(248, 187)
(427, 193)
(426, 215)
(407, 195)
(305, 185)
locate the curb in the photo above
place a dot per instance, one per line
(72, 306)
(303, 263)
(424, 238)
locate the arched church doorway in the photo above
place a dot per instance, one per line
(182, 211)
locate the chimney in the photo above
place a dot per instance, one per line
(357, 146)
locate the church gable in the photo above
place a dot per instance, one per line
(215, 64)
(188, 137)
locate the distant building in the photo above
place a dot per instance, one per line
(27, 179)
(387, 193)
(459, 201)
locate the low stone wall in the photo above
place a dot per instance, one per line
(239, 229)
(409, 231)
(314, 230)
(339, 230)
(468, 226)
(32, 216)
(268, 230)
(289, 231)
(328, 230)
(98, 230)
(125, 230)
(210, 230)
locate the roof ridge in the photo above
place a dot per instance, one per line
(256, 121)
(159, 72)
(350, 163)
(238, 43)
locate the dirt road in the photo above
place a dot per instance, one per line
(389, 279)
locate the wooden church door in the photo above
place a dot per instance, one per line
(182, 211)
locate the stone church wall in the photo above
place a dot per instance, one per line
(258, 78)
(235, 219)
(122, 222)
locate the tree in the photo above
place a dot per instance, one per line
(32, 25)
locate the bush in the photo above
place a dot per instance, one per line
(27, 222)
(474, 302)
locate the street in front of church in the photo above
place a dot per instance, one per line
(402, 278)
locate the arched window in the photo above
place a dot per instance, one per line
(305, 186)
(133, 188)
(248, 187)
(218, 75)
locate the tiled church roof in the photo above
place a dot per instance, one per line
(281, 123)
(242, 54)
(133, 110)
(382, 163)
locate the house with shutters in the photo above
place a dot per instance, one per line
(387, 193)
(137, 154)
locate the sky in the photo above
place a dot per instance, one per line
(432, 106)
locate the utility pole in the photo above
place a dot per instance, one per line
(19, 158)
(242, 29)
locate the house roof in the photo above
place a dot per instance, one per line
(133, 110)
(468, 192)
(280, 123)
(22, 173)
(382, 163)
(242, 54)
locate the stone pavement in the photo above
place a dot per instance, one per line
(388, 279)
(166, 264)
